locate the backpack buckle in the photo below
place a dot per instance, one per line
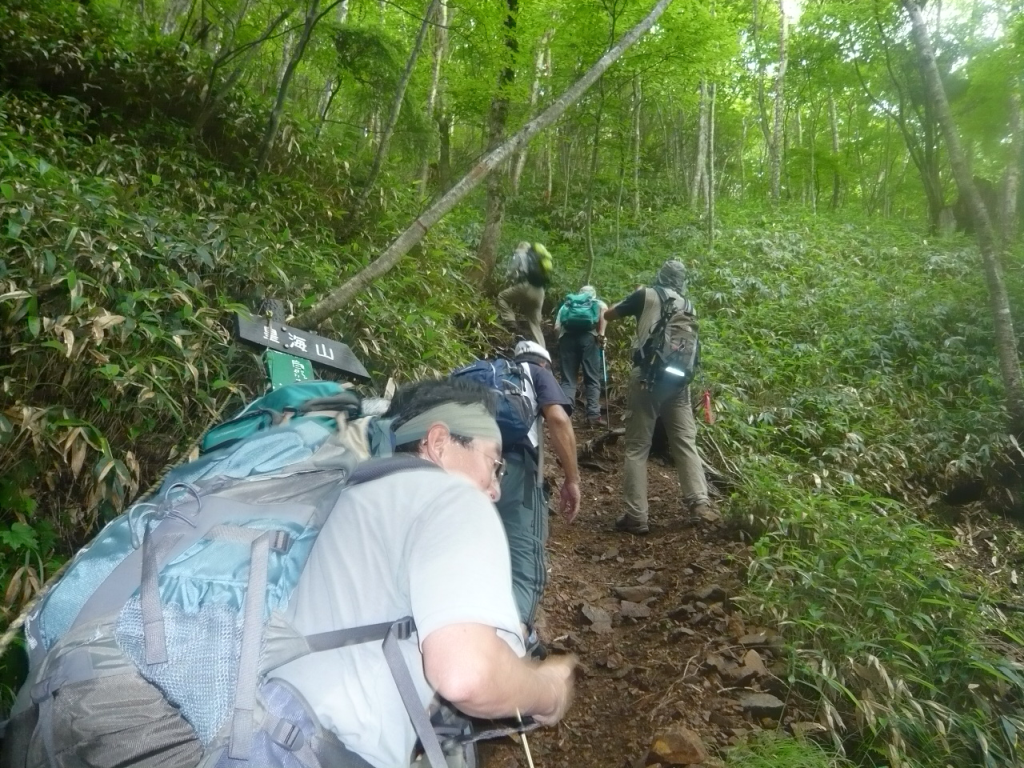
(403, 628)
(288, 735)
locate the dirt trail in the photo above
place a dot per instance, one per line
(676, 657)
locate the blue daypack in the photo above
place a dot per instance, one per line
(159, 642)
(517, 399)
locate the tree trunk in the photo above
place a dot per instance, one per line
(1006, 340)
(637, 102)
(433, 96)
(698, 181)
(711, 169)
(444, 153)
(595, 150)
(352, 220)
(331, 84)
(742, 153)
(833, 120)
(551, 171)
(762, 110)
(780, 109)
(1011, 177)
(415, 232)
(213, 95)
(538, 71)
(312, 16)
(494, 213)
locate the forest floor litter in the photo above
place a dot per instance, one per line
(669, 672)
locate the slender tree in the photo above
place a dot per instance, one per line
(415, 232)
(1006, 340)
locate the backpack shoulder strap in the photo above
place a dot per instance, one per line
(375, 469)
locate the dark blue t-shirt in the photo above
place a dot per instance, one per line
(549, 392)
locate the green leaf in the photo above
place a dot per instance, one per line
(20, 536)
(7, 190)
(13, 229)
(72, 280)
(42, 166)
(34, 325)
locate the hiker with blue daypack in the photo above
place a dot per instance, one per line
(529, 396)
(235, 616)
(665, 355)
(528, 274)
(580, 325)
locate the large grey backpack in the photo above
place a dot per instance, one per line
(156, 647)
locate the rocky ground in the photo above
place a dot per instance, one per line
(669, 672)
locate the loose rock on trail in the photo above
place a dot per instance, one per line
(669, 672)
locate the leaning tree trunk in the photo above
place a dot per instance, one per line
(711, 168)
(312, 16)
(780, 108)
(352, 220)
(415, 232)
(1006, 341)
(595, 154)
(494, 213)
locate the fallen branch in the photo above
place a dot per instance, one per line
(405, 241)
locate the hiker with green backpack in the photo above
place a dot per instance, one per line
(580, 325)
(666, 353)
(528, 274)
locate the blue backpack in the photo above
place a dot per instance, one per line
(159, 642)
(517, 398)
(579, 313)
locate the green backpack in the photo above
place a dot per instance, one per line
(579, 313)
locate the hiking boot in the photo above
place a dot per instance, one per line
(702, 512)
(597, 421)
(625, 525)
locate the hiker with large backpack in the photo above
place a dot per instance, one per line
(580, 325)
(665, 355)
(528, 274)
(528, 398)
(283, 601)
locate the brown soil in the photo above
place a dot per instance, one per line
(640, 676)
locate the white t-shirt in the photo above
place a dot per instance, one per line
(421, 543)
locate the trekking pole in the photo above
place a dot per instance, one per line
(607, 396)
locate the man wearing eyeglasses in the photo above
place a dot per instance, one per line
(423, 543)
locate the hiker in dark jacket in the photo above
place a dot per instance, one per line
(642, 412)
(580, 325)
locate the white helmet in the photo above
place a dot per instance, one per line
(532, 349)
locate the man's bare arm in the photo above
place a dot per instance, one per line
(563, 441)
(474, 669)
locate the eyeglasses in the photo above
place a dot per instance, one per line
(499, 464)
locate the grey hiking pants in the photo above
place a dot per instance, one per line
(526, 300)
(641, 415)
(575, 350)
(525, 517)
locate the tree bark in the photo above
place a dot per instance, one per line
(494, 213)
(331, 84)
(595, 150)
(1006, 340)
(434, 95)
(637, 102)
(274, 121)
(415, 232)
(1011, 177)
(833, 120)
(780, 109)
(711, 168)
(538, 71)
(698, 181)
(352, 220)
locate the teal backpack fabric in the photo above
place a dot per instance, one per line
(579, 313)
(157, 644)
